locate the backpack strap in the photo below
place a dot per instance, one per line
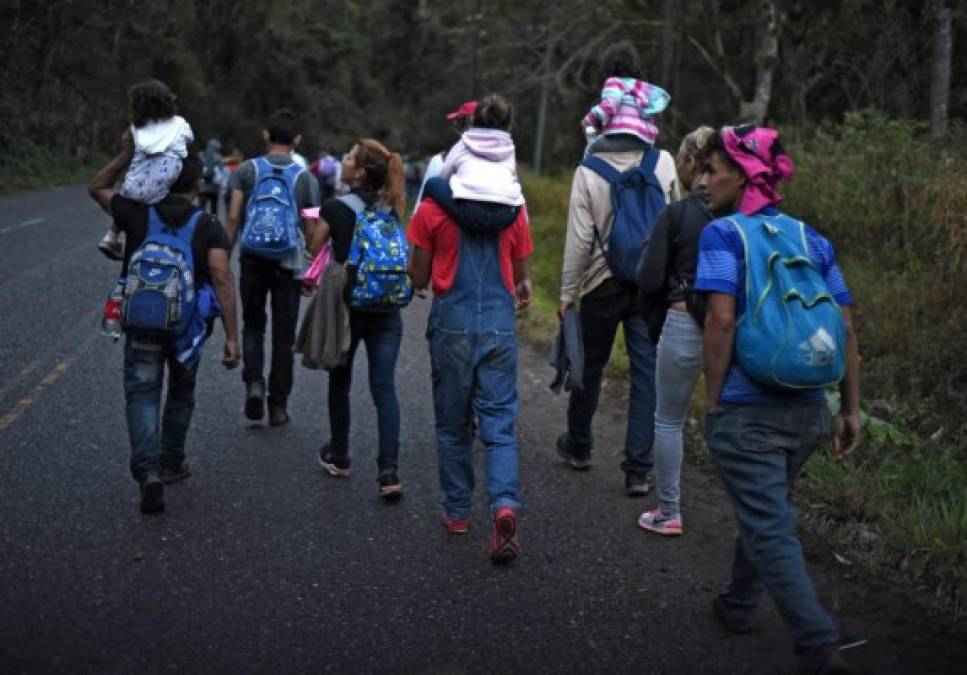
(354, 202)
(649, 161)
(602, 168)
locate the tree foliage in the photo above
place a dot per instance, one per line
(392, 68)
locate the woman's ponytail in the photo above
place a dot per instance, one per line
(392, 192)
(384, 172)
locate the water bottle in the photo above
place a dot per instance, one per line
(111, 319)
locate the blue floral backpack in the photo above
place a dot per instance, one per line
(378, 259)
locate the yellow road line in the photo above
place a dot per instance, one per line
(28, 400)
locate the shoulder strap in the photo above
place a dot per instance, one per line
(649, 161)
(354, 202)
(155, 224)
(602, 168)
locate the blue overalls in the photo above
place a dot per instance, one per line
(473, 356)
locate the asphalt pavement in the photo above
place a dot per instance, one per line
(265, 564)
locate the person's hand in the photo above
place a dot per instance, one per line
(563, 307)
(525, 293)
(230, 355)
(421, 292)
(846, 435)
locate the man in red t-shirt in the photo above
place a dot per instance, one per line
(478, 280)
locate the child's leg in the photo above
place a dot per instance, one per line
(150, 178)
(484, 216)
(439, 190)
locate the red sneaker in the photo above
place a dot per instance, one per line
(504, 546)
(455, 525)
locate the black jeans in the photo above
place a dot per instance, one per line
(602, 311)
(260, 278)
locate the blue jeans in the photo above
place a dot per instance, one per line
(473, 363)
(477, 215)
(759, 450)
(601, 311)
(679, 365)
(144, 367)
(382, 333)
(475, 373)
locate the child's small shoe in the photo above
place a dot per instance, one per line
(111, 246)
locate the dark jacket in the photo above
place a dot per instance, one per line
(666, 270)
(567, 354)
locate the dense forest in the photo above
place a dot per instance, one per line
(392, 68)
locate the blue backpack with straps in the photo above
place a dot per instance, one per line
(637, 198)
(792, 334)
(378, 256)
(160, 298)
(271, 228)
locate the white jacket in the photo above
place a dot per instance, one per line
(165, 137)
(481, 167)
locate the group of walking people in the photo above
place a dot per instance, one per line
(705, 281)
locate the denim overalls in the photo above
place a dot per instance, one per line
(473, 355)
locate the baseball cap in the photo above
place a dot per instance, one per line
(466, 110)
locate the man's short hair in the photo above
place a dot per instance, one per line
(187, 181)
(282, 127)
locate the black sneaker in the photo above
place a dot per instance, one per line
(173, 474)
(830, 659)
(277, 415)
(336, 463)
(255, 400)
(152, 494)
(578, 458)
(389, 486)
(729, 622)
(637, 484)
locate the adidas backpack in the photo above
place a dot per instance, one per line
(792, 334)
(159, 294)
(271, 228)
(378, 255)
(637, 198)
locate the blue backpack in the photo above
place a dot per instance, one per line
(378, 255)
(271, 216)
(637, 198)
(159, 293)
(792, 334)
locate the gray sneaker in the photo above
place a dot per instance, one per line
(173, 474)
(637, 484)
(578, 458)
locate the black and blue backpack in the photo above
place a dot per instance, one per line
(160, 298)
(792, 334)
(271, 228)
(637, 198)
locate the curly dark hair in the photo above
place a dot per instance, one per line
(621, 60)
(151, 101)
(493, 112)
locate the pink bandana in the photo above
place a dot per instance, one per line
(760, 155)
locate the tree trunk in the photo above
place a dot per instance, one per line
(940, 79)
(766, 60)
(542, 104)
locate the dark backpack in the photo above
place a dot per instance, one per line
(637, 198)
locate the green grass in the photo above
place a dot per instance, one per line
(893, 204)
(24, 166)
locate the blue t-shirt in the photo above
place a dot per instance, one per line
(721, 269)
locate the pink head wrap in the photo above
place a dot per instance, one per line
(761, 157)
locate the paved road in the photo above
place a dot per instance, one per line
(265, 564)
